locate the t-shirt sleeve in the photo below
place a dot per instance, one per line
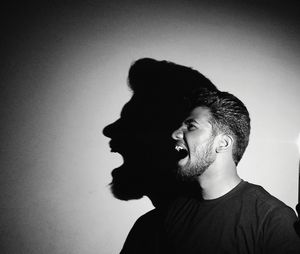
(279, 235)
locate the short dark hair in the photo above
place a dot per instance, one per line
(228, 115)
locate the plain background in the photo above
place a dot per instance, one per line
(64, 79)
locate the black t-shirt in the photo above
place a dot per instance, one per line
(245, 220)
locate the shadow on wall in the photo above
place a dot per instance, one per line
(142, 135)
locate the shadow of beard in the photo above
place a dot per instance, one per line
(132, 183)
(126, 190)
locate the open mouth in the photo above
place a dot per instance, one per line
(182, 151)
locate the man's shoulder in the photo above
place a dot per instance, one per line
(277, 221)
(262, 199)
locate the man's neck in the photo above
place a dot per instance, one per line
(218, 181)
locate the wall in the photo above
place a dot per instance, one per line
(64, 79)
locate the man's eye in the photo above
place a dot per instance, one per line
(191, 127)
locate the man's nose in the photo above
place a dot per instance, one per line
(177, 134)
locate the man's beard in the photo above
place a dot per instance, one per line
(204, 158)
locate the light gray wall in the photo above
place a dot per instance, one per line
(65, 79)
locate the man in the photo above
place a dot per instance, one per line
(142, 135)
(226, 214)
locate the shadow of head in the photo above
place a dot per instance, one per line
(142, 134)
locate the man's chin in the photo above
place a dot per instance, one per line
(186, 173)
(183, 161)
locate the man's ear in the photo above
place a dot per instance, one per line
(224, 143)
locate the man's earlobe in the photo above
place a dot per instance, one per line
(225, 142)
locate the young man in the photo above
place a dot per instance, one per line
(142, 135)
(227, 214)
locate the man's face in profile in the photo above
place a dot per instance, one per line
(195, 140)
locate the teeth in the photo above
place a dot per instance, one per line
(179, 148)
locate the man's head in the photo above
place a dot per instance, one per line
(142, 134)
(218, 122)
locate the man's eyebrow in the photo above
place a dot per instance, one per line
(189, 121)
